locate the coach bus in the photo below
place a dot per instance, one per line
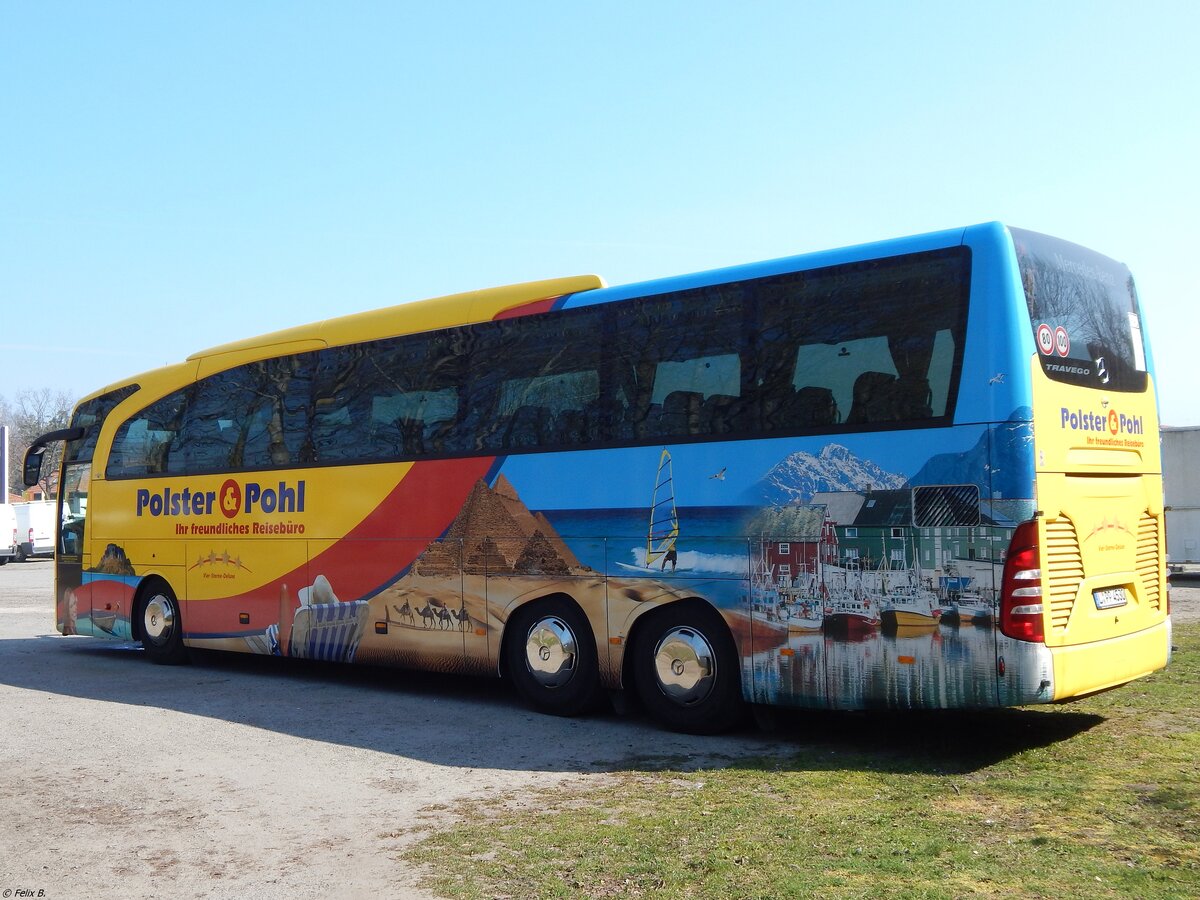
(922, 473)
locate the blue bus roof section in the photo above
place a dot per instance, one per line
(996, 381)
(815, 260)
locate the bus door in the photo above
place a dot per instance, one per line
(70, 559)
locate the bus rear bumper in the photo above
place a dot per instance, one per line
(1088, 668)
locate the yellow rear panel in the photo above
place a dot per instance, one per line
(1099, 490)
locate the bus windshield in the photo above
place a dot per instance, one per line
(1084, 312)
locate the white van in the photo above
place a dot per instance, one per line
(35, 528)
(8, 533)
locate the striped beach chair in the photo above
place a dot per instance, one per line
(325, 631)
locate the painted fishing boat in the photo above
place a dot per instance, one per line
(805, 614)
(849, 610)
(972, 608)
(908, 604)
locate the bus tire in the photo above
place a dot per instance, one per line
(161, 623)
(686, 670)
(550, 655)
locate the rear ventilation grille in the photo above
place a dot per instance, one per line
(1149, 560)
(1062, 570)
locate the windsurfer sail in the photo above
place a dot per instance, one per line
(664, 519)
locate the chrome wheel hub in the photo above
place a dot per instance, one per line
(158, 624)
(685, 665)
(551, 652)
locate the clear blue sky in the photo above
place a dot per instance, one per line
(173, 176)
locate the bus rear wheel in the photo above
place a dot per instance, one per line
(162, 625)
(685, 669)
(550, 655)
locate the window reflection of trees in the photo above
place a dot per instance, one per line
(868, 344)
(1096, 315)
(149, 443)
(251, 416)
(90, 416)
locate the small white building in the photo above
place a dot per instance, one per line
(1181, 486)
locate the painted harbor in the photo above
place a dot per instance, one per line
(820, 632)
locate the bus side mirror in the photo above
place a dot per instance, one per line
(33, 465)
(32, 469)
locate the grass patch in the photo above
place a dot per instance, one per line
(1100, 798)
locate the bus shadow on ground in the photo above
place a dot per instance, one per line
(927, 741)
(476, 722)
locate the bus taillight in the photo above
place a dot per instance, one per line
(1021, 591)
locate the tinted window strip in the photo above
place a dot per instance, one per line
(736, 361)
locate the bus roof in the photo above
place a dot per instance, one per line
(482, 305)
(420, 315)
(766, 268)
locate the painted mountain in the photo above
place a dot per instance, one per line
(800, 475)
(1006, 475)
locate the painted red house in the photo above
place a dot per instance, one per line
(794, 539)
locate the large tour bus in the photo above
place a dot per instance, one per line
(922, 473)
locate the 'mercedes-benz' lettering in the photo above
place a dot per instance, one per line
(256, 498)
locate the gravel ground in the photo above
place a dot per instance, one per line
(252, 777)
(240, 776)
(1185, 599)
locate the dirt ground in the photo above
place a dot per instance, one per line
(240, 776)
(258, 777)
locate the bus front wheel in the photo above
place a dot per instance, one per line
(686, 669)
(550, 655)
(162, 625)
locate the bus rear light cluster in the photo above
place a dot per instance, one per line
(1021, 609)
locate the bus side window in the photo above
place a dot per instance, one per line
(678, 365)
(536, 380)
(404, 424)
(334, 434)
(249, 417)
(343, 382)
(149, 442)
(869, 343)
(689, 394)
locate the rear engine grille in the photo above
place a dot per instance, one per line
(1149, 560)
(1062, 570)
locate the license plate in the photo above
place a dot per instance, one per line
(1110, 598)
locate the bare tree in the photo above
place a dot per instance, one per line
(33, 412)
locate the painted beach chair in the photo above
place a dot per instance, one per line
(326, 631)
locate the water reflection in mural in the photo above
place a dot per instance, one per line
(943, 666)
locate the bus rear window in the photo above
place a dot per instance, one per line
(1084, 313)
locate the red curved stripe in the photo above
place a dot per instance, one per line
(418, 510)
